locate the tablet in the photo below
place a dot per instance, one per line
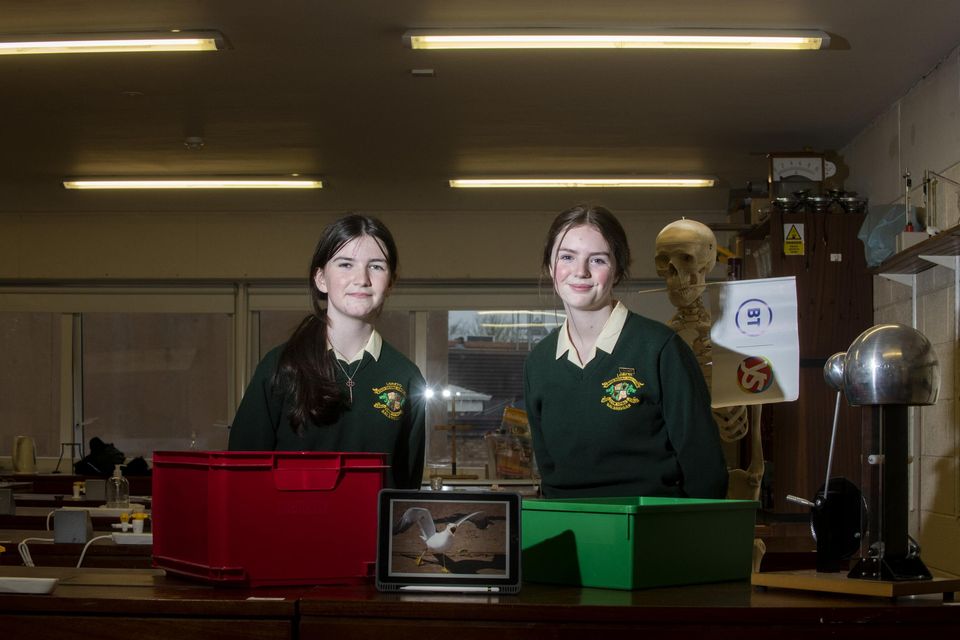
(437, 541)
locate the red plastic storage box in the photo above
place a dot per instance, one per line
(256, 518)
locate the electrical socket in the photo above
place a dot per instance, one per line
(72, 526)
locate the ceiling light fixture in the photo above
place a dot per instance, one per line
(112, 42)
(572, 183)
(558, 314)
(616, 39)
(204, 183)
(516, 325)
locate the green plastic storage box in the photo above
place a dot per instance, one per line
(637, 543)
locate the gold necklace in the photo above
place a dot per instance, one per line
(350, 383)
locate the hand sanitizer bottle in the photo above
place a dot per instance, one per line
(118, 491)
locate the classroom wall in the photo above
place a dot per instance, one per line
(922, 131)
(449, 246)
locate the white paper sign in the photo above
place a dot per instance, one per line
(756, 349)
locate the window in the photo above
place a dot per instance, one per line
(156, 367)
(156, 380)
(480, 378)
(42, 384)
(30, 380)
(275, 328)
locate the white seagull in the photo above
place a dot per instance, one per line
(437, 542)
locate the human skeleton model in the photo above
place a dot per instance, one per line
(685, 252)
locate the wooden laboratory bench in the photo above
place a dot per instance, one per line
(727, 610)
(100, 554)
(54, 501)
(104, 553)
(120, 604)
(38, 518)
(62, 483)
(106, 604)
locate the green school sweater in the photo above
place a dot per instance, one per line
(635, 422)
(387, 415)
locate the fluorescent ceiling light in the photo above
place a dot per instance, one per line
(571, 183)
(206, 183)
(617, 39)
(515, 325)
(558, 314)
(112, 42)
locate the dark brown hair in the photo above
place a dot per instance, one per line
(603, 221)
(306, 371)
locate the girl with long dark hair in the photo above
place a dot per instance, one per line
(336, 385)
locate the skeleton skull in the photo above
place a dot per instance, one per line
(686, 250)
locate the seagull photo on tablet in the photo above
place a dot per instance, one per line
(447, 541)
(472, 552)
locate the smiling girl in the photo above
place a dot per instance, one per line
(336, 385)
(616, 402)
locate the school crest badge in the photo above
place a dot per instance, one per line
(620, 393)
(390, 400)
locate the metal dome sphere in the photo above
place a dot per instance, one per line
(833, 371)
(891, 364)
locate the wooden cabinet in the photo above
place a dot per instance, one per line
(834, 305)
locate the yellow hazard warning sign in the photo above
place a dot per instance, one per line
(793, 239)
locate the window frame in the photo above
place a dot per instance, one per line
(243, 301)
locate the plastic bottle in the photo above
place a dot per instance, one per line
(138, 521)
(118, 491)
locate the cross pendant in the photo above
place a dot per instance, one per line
(350, 385)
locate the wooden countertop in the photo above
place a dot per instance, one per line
(148, 603)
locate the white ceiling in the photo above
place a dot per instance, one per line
(324, 87)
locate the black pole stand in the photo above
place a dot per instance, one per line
(890, 557)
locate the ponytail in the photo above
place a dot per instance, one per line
(305, 374)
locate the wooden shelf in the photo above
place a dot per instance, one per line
(729, 226)
(807, 580)
(945, 243)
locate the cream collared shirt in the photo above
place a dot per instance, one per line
(373, 346)
(606, 341)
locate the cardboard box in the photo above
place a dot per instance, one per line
(266, 518)
(759, 210)
(906, 239)
(637, 543)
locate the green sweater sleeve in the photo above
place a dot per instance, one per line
(255, 425)
(690, 424)
(408, 463)
(532, 405)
